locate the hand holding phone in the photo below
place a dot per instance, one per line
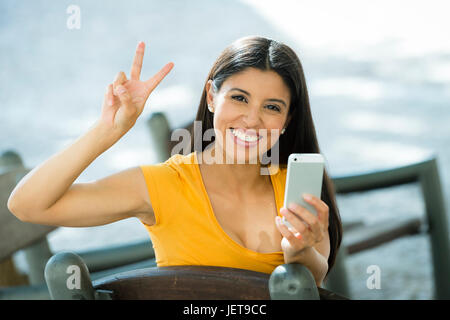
(304, 175)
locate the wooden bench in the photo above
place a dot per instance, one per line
(287, 282)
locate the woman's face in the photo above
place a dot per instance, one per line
(250, 110)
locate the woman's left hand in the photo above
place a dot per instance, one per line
(308, 229)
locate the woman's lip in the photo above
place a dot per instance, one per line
(250, 133)
(242, 142)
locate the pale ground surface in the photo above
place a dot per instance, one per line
(378, 78)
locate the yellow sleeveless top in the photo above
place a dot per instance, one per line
(186, 231)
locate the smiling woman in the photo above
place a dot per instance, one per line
(256, 101)
(259, 84)
(202, 212)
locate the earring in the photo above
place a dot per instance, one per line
(283, 130)
(210, 109)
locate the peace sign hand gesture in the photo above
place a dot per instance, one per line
(125, 99)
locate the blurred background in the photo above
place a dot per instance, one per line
(378, 75)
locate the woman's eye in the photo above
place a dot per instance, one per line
(239, 98)
(243, 99)
(275, 108)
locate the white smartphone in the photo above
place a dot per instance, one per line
(304, 175)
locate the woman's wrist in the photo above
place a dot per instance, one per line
(105, 135)
(299, 257)
(313, 260)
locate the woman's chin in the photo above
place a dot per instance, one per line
(244, 157)
(235, 154)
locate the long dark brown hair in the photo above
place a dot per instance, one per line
(300, 135)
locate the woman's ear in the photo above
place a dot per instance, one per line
(210, 94)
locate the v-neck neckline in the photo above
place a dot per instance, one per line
(214, 220)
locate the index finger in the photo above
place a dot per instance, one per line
(137, 61)
(321, 207)
(156, 79)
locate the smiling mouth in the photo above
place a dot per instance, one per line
(239, 134)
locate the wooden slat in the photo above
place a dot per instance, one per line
(185, 282)
(369, 236)
(193, 283)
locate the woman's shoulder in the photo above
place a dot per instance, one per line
(181, 159)
(173, 161)
(178, 166)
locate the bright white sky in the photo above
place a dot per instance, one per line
(406, 42)
(413, 27)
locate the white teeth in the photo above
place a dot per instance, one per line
(243, 136)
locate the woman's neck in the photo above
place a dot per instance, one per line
(239, 178)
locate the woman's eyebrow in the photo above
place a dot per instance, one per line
(247, 93)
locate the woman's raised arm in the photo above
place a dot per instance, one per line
(48, 195)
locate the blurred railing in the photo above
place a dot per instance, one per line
(362, 237)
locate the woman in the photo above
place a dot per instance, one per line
(212, 206)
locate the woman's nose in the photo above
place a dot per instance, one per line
(252, 117)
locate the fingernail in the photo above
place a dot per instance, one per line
(307, 197)
(292, 206)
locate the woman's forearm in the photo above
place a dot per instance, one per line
(314, 261)
(46, 183)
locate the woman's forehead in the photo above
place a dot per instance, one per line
(258, 82)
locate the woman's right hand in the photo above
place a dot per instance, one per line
(125, 99)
